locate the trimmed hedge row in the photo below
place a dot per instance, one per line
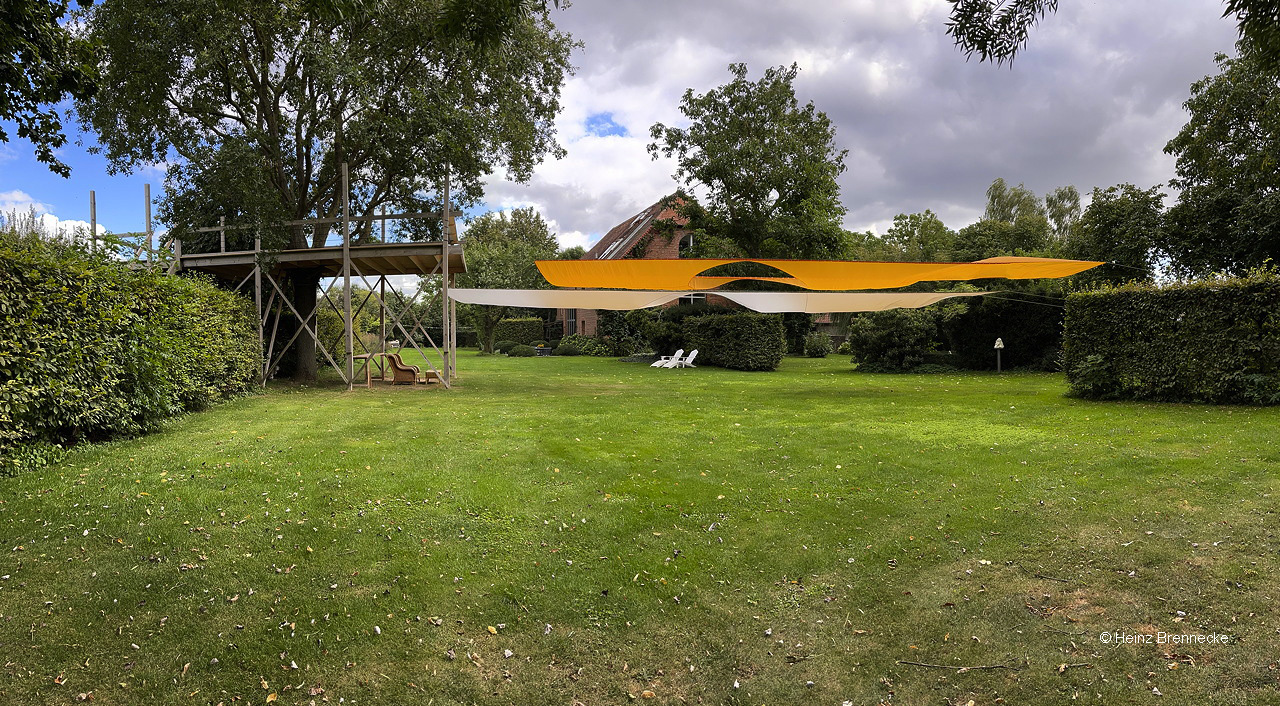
(91, 350)
(741, 341)
(1215, 341)
(523, 331)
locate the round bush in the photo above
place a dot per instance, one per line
(539, 344)
(566, 349)
(522, 351)
(553, 343)
(504, 346)
(817, 345)
(844, 349)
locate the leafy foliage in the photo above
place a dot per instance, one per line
(768, 164)
(1228, 208)
(525, 329)
(501, 249)
(1211, 341)
(997, 31)
(892, 341)
(504, 346)
(92, 350)
(566, 349)
(662, 327)
(740, 340)
(1122, 226)
(521, 351)
(617, 331)
(918, 237)
(41, 62)
(586, 345)
(817, 345)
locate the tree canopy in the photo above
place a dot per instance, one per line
(42, 62)
(767, 164)
(1228, 171)
(288, 92)
(501, 250)
(1122, 226)
(997, 31)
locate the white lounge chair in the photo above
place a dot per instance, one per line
(688, 361)
(662, 362)
(678, 362)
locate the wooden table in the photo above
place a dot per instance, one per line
(368, 366)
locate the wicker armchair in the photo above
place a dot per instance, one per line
(400, 371)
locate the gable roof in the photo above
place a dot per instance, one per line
(621, 238)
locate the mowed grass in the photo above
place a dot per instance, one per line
(672, 536)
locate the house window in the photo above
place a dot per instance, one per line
(685, 244)
(570, 322)
(695, 298)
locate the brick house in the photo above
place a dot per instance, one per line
(639, 238)
(636, 237)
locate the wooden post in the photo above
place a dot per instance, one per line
(222, 232)
(146, 195)
(93, 221)
(382, 317)
(346, 274)
(257, 299)
(444, 283)
(384, 224)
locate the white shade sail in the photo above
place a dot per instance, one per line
(767, 302)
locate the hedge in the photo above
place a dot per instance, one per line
(91, 350)
(741, 341)
(523, 331)
(1214, 341)
(587, 345)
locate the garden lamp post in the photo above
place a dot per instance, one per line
(999, 348)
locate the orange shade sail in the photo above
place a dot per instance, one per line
(832, 275)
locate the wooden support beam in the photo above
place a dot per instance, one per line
(346, 274)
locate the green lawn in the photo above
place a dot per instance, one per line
(674, 535)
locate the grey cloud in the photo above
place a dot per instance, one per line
(1091, 102)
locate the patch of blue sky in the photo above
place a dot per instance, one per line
(603, 125)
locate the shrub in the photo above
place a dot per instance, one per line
(586, 345)
(524, 330)
(844, 349)
(539, 344)
(796, 329)
(553, 343)
(892, 341)
(503, 346)
(1213, 341)
(1031, 331)
(522, 351)
(90, 349)
(661, 328)
(566, 349)
(741, 341)
(817, 345)
(616, 330)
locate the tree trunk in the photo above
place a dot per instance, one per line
(306, 285)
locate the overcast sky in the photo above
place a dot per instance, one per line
(1091, 102)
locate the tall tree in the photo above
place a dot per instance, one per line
(768, 165)
(1228, 171)
(501, 250)
(1062, 206)
(997, 30)
(283, 94)
(1011, 203)
(42, 62)
(920, 237)
(1121, 226)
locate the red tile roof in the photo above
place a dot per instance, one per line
(621, 238)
